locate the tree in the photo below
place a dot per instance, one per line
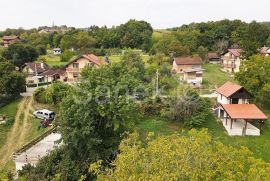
(12, 83)
(186, 106)
(20, 54)
(254, 76)
(135, 34)
(195, 156)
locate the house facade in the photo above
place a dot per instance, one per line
(74, 68)
(193, 76)
(8, 40)
(32, 71)
(39, 73)
(231, 60)
(213, 58)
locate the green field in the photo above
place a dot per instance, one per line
(52, 60)
(213, 77)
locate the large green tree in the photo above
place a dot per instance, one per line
(254, 75)
(12, 82)
(20, 53)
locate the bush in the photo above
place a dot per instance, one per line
(66, 56)
(9, 122)
(39, 95)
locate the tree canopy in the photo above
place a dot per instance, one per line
(195, 156)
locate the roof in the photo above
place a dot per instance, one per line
(213, 55)
(188, 60)
(236, 52)
(39, 66)
(244, 111)
(264, 50)
(51, 72)
(91, 57)
(57, 49)
(228, 89)
(10, 37)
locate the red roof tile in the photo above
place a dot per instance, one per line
(244, 111)
(236, 52)
(188, 61)
(10, 37)
(91, 57)
(228, 89)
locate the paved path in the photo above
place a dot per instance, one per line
(37, 151)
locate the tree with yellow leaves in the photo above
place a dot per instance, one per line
(195, 156)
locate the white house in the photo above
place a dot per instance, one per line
(57, 51)
(235, 112)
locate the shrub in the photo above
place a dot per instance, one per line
(66, 56)
(39, 95)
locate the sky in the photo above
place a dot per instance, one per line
(160, 13)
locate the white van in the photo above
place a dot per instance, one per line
(44, 114)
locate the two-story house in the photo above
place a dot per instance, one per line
(32, 71)
(190, 68)
(235, 111)
(231, 93)
(74, 68)
(8, 40)
(231, 60)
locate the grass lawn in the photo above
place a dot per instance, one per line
(9, 110)
(53, 60)
(117, 58)
(259, 145)
(157, 125)
(213, 77)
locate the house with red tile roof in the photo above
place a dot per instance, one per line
(190, 68)
(74, 68)
(8, 40)
(234, 111)
(231, 60)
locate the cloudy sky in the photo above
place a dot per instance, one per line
(160, 13)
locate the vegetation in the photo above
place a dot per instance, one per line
(254, 76)
(195, 156)
(12, 82)
(19, 54)
(53, 94)
(187, 107)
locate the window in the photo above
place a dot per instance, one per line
(220, 96)
(75, 65)
(75, 75)
(30, 81)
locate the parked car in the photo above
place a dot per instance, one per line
(44, 114)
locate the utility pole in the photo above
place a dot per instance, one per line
(157, 74)
(36, 73)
